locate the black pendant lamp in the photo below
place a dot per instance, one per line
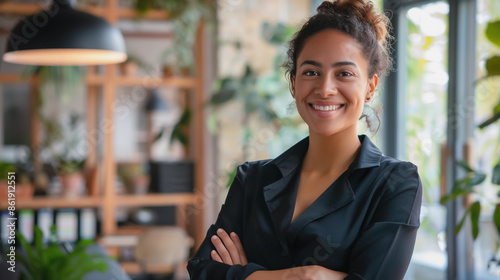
(62, 35)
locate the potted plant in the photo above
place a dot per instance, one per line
(178, 60)
(130, 66)
(71, 176)
(51, 263)
(134, 177)
(186, 16)
(63, 145)
(63, 80)
(174, 175)
(5, 168)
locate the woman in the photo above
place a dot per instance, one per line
(332, 206)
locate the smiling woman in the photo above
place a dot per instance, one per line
(332, 206)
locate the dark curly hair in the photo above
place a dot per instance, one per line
(357, 18)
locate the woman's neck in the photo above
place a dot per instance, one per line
(327, 154)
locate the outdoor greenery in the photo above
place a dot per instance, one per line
(425, 111)
(467, 186)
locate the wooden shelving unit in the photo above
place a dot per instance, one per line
(106, 84)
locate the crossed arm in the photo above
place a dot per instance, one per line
(229, 250)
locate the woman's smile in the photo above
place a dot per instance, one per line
(325, 110)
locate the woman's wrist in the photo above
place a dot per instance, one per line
(300, 272)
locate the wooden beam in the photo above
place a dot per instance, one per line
(91, 163)
(156, 199)
(54, 202)
(107, 129)
(25, 9)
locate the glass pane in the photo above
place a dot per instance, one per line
(487, 144)
(425, 119)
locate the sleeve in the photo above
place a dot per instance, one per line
(384, 249)
(201, 266)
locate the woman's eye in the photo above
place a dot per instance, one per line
(345, 74)
(311, 73)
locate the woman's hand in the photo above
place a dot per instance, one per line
(310, 272)
(315, 272)
(228, 248)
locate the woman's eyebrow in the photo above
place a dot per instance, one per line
(344, 63)
(311, 62)
(336, 64)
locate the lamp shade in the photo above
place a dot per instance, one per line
(62, 35)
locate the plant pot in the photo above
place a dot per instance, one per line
(72, 184)
(185, 71)
(22, 191)
(171, 176)
(168, 72)
(129, 69)
(138, 184)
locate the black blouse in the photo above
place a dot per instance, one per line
(364, 224)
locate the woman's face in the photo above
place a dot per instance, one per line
(331, 84)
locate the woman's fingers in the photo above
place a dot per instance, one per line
(239, 247)
(230, 246)
(215, 256)
(221, 250)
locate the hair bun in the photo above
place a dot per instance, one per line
(363, 10)
(327, 8)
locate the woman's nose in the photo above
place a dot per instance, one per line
(327, 87)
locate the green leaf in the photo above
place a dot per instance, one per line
(454, 194)
(465, 166)
(160, 134)
(222, 97)
(477, 179)
(496, 109)
(185, 117)
(493, 32)
(475, 210)
(489, 121)
(495, 175)
(230, 175)
(458, 228)
(34, 262)
(496, 217)
(493, 66)
(38, 244)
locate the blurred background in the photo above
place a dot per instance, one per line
(132, 160)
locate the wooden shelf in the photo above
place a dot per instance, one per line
(156, 199)
(122, 200)
(13, 78)
(54, 202)
(100, 106)
(147, 81)
(25, 9)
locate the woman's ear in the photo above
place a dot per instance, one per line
(372, 85)
(292, 85)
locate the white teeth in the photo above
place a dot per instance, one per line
(326, 108)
